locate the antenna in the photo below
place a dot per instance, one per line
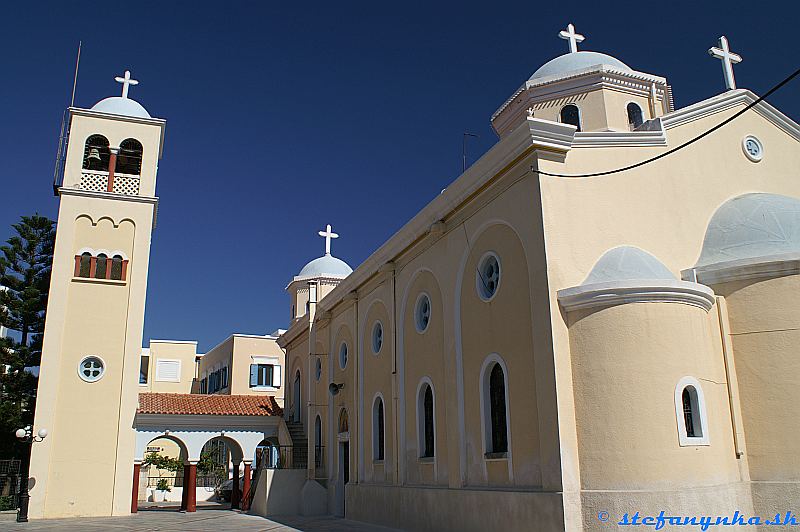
(75, 80)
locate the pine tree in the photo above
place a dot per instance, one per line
(25, 265)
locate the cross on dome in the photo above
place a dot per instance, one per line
(728, 58)
(126, 82)
(327, 234)
(573, 38)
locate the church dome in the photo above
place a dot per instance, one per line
(325, 266)
(117, 105)
(628, 263)
(576, 61)
(750, 226)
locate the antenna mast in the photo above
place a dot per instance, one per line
(75, 80)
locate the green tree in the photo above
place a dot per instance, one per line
(25, 265)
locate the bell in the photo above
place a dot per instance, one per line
(94, 156)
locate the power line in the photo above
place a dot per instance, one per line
(687, 143)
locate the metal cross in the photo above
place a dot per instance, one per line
(728, 58)
(573, 38)
(328, 234)
(126, 82)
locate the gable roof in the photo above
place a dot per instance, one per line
(201, 404)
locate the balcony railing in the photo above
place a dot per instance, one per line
(97, 181)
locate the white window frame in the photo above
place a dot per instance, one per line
(417, 325)
(580, 115)
(376, 349)
(478, 278)
(701, 414)
(157, 378)
(486, 407)
(90, 380)
(277, 372)
(644, 117)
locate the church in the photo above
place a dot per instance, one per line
(598, 318)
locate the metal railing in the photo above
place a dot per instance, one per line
(9, 483)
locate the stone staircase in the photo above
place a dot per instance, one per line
(299, 445)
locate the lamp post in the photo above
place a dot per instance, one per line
(26, 435)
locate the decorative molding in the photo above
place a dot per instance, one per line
(745, 269)
(726, 101)
(552, 135)
(654, 136)
(645, 291)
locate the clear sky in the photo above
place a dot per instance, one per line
(283, 117)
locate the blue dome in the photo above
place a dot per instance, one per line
(576, 61)
(751, 226)
(325, 266)
(628, 263)
(117, 105)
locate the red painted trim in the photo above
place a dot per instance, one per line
(185, 493)
(112, 165)
(235, 495)
(77, 265)
(108, 267)
(191, 500)
(93, 267)
(246, 488)
(124, 270)
(135, 492)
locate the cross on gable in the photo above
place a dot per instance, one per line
(728, 58)
(327, 234)
(126, 81)
(573, 38)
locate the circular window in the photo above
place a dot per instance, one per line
(91, 369)
(422, 312)
(487, 278)
(377, 337)
(343, 355)
(318, 371)
(753, 148)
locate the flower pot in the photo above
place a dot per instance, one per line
(159, 495)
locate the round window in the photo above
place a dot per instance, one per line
(422, 312)
(753, 149)
(91, 369)
(318, 371)
(343, 355)
(377, 337)
(487, 278)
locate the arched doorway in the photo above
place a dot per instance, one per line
(343, 471)
(297, 397)
(219, 465)
(161, 473)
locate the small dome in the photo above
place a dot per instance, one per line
(628, 263)
(325, 266)
(750, 226)
(576, 61)
(117, 105)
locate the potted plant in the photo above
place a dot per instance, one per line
(162, 488)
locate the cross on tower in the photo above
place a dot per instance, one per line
(126, 82)
(327, 234)
(728, 58)
(573, 38)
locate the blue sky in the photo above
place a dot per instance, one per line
(283, 117)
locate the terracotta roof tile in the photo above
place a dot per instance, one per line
(200, 404)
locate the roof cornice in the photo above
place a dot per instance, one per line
(745, 269)
(645, 291)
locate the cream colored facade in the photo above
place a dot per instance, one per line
(171, 367)
(606, 323)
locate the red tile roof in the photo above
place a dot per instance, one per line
(200, 404)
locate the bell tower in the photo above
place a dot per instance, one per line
(88, 382)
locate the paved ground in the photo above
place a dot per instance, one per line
(203, 520)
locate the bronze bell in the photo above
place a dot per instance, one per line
(94, 156)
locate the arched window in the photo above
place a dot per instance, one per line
(116, 267)
(635, 118)
(690, 411)
(129, 160)
(427, 437)
(571, 115)
(344, 426)
(96, 153)
(101, 266)
(318, 442)
(497, 409)
(86, 265)
(377, 430)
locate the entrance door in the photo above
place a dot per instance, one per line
(297, 407)
(343, 477)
